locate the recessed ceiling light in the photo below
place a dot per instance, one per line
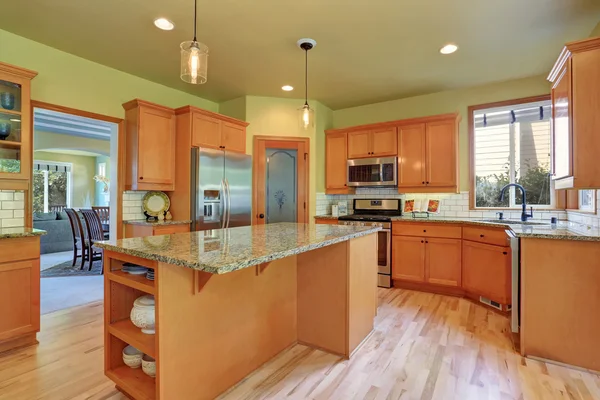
(15, 120)
(164, 24)
(449, 49)
(287, 88)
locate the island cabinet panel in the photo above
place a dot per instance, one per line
(560, 286)
(150, 146)
(441, 153)
(576, 98)
(443, 261)
(486, 271)
(411, 156)
(19, 292)
(336, 169)
(359, 144)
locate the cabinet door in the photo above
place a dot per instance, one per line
(19, 297)
(562, 139)
(487, 271)
(443, 261)
(441, 144)
(359, 144)
(335, 161)
(206, 132)
(408, 258)
(411, 156)
(233, 137)
(384, 142)
(156, 148)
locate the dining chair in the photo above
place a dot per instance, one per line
(57, 207)
(95, 234)
(103, 213)
(79, 238)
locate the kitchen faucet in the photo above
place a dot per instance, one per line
(524, 214)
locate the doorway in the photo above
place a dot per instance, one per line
(280, 179)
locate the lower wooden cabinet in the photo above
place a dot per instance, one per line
(430, 260)
(154, 230)
(487, 271)
(328, 221)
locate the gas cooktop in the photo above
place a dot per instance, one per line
(366, 217)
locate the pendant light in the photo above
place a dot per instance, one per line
(194, 58)
(306, 114)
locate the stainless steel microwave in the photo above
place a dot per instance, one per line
(373, 172)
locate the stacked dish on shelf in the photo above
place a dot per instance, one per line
(134, 269)
(134, 358)
(150, 274)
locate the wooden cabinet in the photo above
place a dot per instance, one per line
(15, 123)
(336, 170)
(19, 292)
(487, 271)
(327, 221)
(132, 230)
(443, 261)
(428, 156)
(372, 143)
(150, 146)
(408, 258)
(575, 99)
(215, 131)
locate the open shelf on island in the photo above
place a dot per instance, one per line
(131, 334)
(134, 381)
(138, 282)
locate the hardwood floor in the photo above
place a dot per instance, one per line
(425, 346)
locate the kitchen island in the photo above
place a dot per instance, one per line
(227, 301)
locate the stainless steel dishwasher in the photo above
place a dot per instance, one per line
(515, 247)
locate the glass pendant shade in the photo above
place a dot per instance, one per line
(306, 117)
(194, 62)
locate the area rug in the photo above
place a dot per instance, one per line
(66, 269)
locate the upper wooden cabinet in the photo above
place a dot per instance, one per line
(575, 119)
(150, 146)
(411, 156)
(372, 143)
(15, 122)
(215, 131)
(336, 145)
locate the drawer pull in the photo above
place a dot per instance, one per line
(480, 235)
(504, 252)
(424, 230)
(426, 241)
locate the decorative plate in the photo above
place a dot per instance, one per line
(155, 203)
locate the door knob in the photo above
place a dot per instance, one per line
(261, 216)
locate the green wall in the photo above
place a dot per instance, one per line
(71, 81)
(82, 175)
(235, 108)
(596, 31)
(441, 103)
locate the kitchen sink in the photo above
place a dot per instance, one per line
(513, 222)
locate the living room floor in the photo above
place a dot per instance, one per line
(70, 291)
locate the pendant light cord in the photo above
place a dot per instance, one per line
(306, 77)
(195, 16)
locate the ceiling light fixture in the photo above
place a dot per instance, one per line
(307, 114)
(449, 49)
(164, 24)
(194, 58)
(287, 88)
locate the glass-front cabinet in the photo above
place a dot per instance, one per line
(15, 122)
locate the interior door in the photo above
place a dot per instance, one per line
(359, 144)
(384, 142)
(411, 156)
(441, 154)
(408, 254)
(156, 152)
(238, 178)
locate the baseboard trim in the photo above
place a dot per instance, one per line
(28, 339)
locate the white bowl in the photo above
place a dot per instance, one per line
(143, 314)
(132, 357)
(149, 365)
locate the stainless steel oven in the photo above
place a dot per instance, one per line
(370, 172)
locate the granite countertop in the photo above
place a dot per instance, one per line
(12, 233)
(225, 250)
(157, 223)
(563, 230)
(325, 217)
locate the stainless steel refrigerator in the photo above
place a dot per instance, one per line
(221, 189)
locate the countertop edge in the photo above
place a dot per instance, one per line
(236, 266)
(18, 235)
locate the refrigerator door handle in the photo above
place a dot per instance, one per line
(222, 195)
(228, 202)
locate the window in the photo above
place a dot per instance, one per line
(51, 186)
(511, 143)
(587, 200)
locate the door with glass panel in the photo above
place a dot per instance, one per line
(281, 180)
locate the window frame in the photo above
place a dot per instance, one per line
(69, 197)
(471, 120)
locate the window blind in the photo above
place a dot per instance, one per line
(50, 166)
(505, 117)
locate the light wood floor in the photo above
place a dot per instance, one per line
(424, 346)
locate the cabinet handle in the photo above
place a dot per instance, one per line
(505, 253)
(426, 241)
(141, 178)
(427, 182)
(423, 182)
(422, 241)
(424, 230)
(480, 235)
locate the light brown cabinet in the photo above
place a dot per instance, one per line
(428, 156)
(408, 258)
(132, 230)
(443, 258)
(217, 131)
(326, 221)
(150, 146)
(336, 170)
(487, 271)
(19, 292)
(372, 143)
(575, 98)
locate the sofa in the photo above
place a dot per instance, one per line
(59, 236)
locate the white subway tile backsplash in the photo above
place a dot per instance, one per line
(13, 205)
(4, 196)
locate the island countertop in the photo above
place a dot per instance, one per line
(226, 250)
(19, 232)
(165, 222)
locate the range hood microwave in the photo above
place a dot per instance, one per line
(373, 172)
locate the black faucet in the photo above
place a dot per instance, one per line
(524, 214)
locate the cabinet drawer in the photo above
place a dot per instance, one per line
(426, 230)
(496, 237)
(171, 229)
(17, 249)
(327, 221)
